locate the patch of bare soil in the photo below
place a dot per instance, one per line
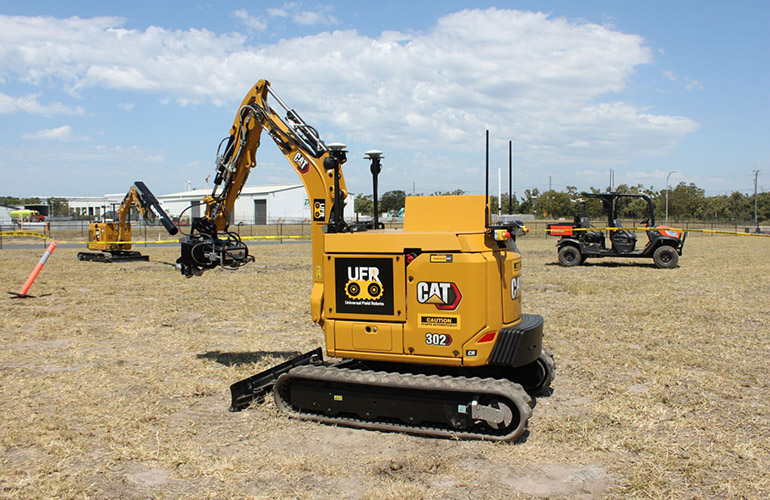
(115, 385)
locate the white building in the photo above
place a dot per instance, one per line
(95, 206)
(286, 204)
(5, 214)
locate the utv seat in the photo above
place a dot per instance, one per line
(622, 241)
(591, 237)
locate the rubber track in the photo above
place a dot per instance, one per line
(503, 389)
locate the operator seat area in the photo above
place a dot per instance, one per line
(591, 237)
(622, 241)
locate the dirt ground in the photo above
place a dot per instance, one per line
(114, 384)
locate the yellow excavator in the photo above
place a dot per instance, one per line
(425, 322)
(113, 239)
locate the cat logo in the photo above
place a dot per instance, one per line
(446, 296)
(363, 283)
(301, 163)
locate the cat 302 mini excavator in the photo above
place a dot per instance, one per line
(426, 320)
(113, 239)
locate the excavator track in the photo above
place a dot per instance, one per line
(429, 405)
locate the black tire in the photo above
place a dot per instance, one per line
(569, 256)
(665, 257)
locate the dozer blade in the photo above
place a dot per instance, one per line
(257, 386)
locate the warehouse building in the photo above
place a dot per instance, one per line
(287, 204)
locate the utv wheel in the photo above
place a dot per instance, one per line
(665, 257)
(569, 256)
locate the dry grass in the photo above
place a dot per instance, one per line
(115, 385)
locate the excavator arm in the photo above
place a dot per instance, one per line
(142, 199)
(209, 243)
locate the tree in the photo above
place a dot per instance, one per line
(364, 204)
(392, 201)
(456, 192)
(528, 203)
(685, 200)
(515, 207)
(554, 204)
(59, 206)
(12, 200)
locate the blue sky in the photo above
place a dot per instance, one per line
(96, 95)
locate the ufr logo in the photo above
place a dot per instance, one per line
(363, 283)
(446, 296)
(319, 210)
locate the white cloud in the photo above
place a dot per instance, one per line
(295, 12)
(126, 106)
(247, 19)
(548, 83)
(62, 134)
(31, 104)
(688, 83)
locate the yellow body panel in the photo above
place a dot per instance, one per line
(457, 287)
(104, 236)
(451, 214)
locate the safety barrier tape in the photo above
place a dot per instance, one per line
(139, 242)
(553, 232)
(561, 229)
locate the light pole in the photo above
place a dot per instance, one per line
(756, 220)
(669, 175)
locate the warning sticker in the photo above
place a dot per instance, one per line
(445, 322)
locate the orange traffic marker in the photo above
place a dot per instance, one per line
(22, 294)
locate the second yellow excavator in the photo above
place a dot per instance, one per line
(425, 322)
(113, 239)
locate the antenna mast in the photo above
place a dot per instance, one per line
(486, 191)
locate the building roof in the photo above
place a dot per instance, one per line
(194, 194)
(197, 194)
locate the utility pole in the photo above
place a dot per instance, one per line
(756, 220)
(549, 184)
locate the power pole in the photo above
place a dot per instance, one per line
(549, 184)
(756, 221)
